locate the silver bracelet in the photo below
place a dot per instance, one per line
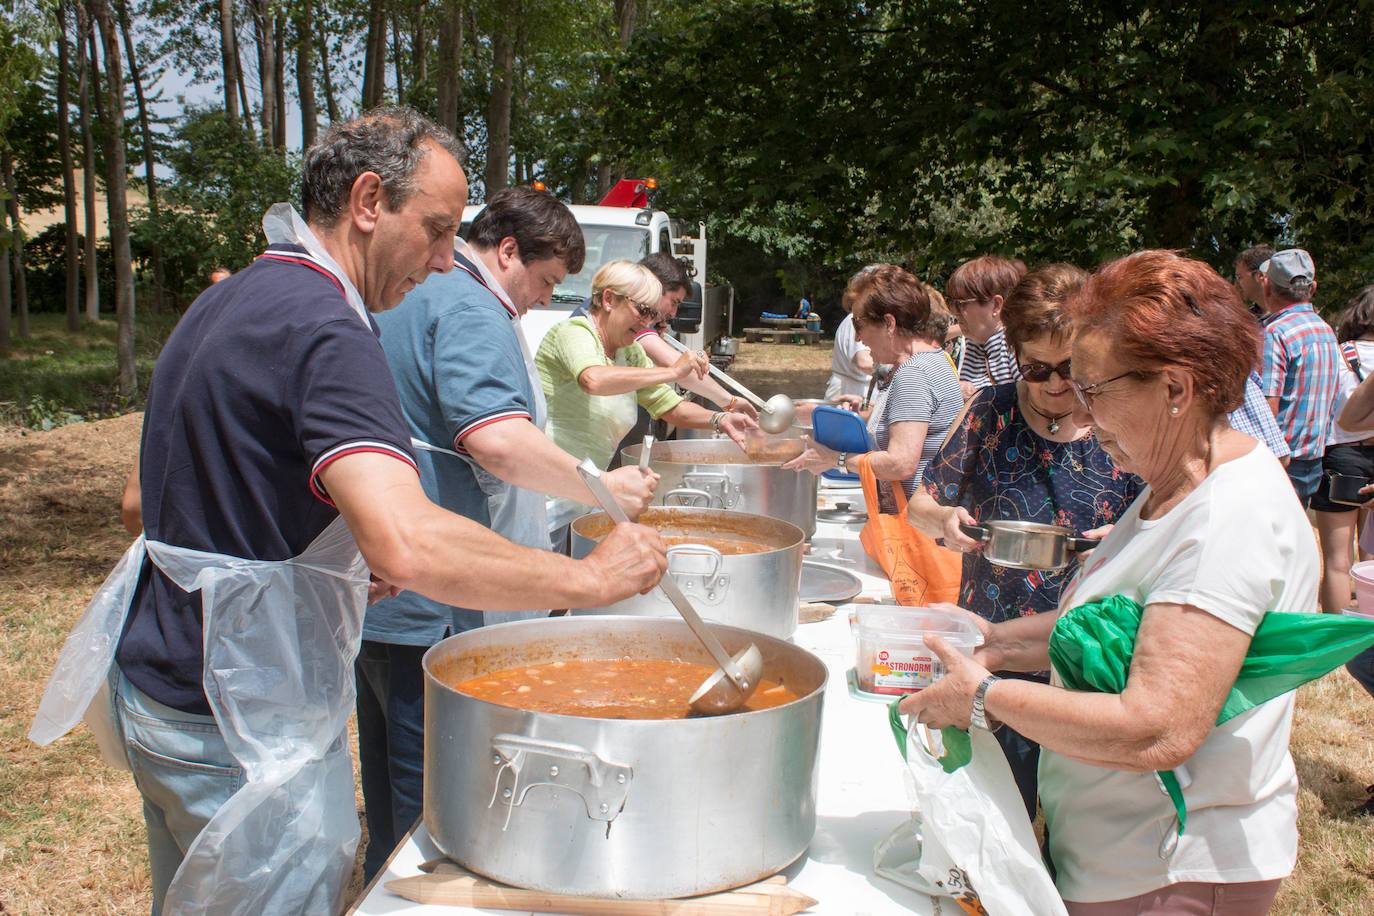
(841, 463)
(715, 419)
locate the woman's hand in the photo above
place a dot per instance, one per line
(691, 364)
(954, 535)
(949, 701)
(814, 457)
(741, 406)
(737, 426)
(849, 401)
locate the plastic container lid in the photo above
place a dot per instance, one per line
(892, 621)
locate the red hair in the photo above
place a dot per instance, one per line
(1161, 309)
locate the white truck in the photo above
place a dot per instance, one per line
(625, 226)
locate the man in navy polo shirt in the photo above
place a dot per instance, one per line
(475, 410)
(276, 469)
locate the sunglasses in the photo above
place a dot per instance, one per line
(645, 311)
(1041, 372)
(1087, 393)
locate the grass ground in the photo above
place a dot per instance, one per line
(71, 830)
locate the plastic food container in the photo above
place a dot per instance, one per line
(891, 657)
(1363, 574)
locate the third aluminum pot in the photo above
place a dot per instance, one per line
(1028, 545)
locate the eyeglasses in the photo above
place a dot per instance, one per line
(1040, 372)
(1086, 393)
(960, 303)
(645, 311)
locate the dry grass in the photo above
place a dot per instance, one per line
(71, 830)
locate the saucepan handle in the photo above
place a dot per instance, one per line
(1082, 545)
(977, 532)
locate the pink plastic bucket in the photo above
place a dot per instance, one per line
(1363, 574)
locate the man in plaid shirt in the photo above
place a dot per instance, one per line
(1300, 366)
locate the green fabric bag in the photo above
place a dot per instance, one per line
(1092, 644)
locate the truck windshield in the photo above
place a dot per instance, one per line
(604, 243)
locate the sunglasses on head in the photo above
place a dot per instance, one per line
(1040, 372)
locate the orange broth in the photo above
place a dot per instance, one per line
(620, 688)
(726, 546)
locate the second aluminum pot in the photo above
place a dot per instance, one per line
(617, 807)
(757, 591)
(1028, 545)
(715, 474)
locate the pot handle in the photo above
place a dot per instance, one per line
(709, 587)
(523, 763)
(682, 494)
(977, 532)
(1082, 545)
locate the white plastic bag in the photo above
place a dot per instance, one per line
(969, 838)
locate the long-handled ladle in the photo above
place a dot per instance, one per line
(736, 679)
(775, 415)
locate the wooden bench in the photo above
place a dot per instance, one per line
(782, 335)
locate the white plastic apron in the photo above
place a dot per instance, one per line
(516, 514)
(279, 638)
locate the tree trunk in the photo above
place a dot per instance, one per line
(228, 52)
(16, 252)
(305, 74)
(374, 57)
(85, 66)
(116, 187)
(331, 100)
(267, 67)
(64, 141)
(149, 176)
(450, 63)
(6, 306)
(243, 87)
(498, 108)
(398, 60)
(625, 13)
(419, 50)
(578, 191)
(279, 81)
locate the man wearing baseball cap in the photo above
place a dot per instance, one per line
(1300, 367)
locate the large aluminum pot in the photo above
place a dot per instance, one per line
(715, 474)
(617, 807)
(757, 591)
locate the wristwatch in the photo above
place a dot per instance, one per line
(979, 717)
(840, 463)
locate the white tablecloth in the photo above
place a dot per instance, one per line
(862, 794)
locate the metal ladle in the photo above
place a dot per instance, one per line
(775, 415)
(736, 679)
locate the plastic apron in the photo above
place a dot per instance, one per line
(608, 419)
(516, 514)
(280, 638)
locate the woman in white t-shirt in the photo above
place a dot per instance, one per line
(1162, 349)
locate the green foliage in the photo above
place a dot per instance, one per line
(930, 131)
(224, 181)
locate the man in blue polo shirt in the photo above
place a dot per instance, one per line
(1301, 364)
(275, 470)
(475, 411)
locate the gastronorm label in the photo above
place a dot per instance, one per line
(904, 672)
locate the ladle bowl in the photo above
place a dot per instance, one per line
(777, 414)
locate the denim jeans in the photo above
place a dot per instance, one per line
(181, 767)
(391, 744)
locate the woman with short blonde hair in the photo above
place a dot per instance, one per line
(594, 374)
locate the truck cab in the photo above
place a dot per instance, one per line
(624, 226)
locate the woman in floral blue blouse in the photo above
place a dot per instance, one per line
(1018, 455)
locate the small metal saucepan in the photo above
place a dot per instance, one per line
(1028, 545)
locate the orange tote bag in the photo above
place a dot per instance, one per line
(921, 571)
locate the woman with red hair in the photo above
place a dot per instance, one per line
(1215, 542)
